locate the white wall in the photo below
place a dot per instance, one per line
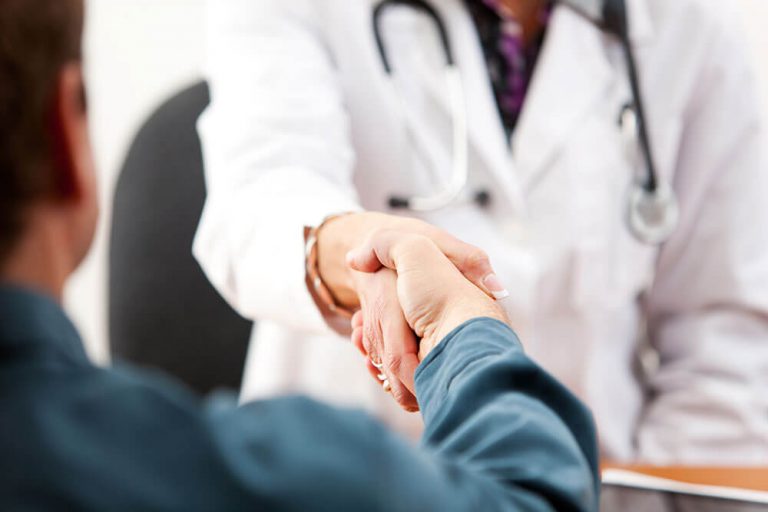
(139, 52)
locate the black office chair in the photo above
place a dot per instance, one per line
(163, 313)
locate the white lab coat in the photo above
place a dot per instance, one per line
(303, 124)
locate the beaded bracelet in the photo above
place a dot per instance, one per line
(335, 314)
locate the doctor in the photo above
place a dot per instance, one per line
(307, 130)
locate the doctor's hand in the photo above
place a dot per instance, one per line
(433, 295)
(342, 234)
(382, 334)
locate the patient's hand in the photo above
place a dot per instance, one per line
(434, 296)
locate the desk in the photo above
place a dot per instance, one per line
(744, 478)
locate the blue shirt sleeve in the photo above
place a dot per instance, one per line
(501, 434)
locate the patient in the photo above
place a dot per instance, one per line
(500, 433)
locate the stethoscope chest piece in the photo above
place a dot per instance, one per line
(653, 214)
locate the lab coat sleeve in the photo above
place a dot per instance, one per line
(277, 155)
(501, 435)
(708, 308)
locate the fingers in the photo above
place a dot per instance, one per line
(364, 259)
(471, 261)
(392, 350)
(357, 319)
(476, 267)
(400, 356)
(357, 333)
(385, 246)
(382, 335)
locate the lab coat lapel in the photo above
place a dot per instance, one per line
(486, 135)
(486, 132)
(572, 77)
(641, 29)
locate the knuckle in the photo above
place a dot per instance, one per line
(378, 232)
(412, 225)
(421, 240)
(370, 336)
(400, 395)
(393, 361)
(380, 301)
(417, 242)
(476, 259)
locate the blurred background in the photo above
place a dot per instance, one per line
(140, 52)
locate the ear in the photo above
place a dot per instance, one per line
(71, 149)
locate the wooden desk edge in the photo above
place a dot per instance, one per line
(755, 479)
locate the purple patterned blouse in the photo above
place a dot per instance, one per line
(510, 63)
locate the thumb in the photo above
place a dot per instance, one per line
(378, 251)
(391, 249)
(364, 259)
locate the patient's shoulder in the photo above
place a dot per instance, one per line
(109, 440)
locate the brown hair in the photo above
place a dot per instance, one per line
(37, 38)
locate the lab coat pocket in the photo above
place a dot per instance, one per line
(610, 277)
(610, 267)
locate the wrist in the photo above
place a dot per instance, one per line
(332, 247)
(455, 315)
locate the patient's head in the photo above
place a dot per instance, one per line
(47, 186)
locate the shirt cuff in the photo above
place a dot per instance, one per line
(471, 341)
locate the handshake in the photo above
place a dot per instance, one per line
(413, 285)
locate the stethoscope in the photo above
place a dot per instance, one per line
(652, 208)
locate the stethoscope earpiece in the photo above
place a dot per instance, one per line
(653, 215)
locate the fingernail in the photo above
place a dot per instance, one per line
(493, 283)
(382, 377)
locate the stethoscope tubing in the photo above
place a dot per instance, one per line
(430, 11)
(615, 22)
(651, 229)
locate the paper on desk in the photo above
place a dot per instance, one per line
(623, 478)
